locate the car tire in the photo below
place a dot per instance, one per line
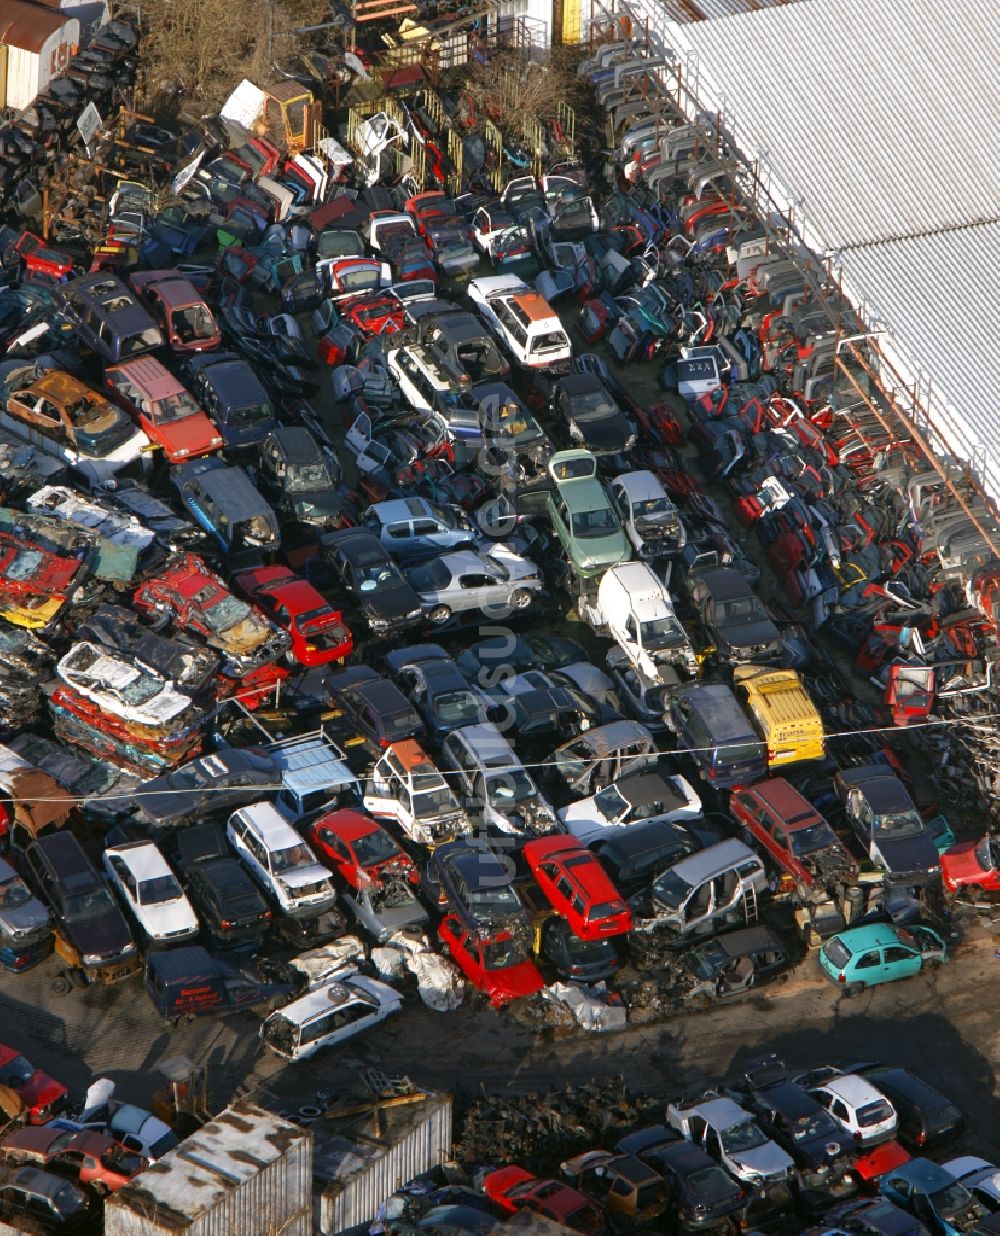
(440, 613)
(522, 598)
(853, 989)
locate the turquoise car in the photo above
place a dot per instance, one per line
(930, 1192)
(582, 515)
(879, 953)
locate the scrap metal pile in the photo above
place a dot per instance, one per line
(354, 572)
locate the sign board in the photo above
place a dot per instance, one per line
(88, 122)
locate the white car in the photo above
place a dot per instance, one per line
(522, 320)
(857, 1107)
(335, 1010)
(651, 521)
(151, 891)
(92, 513)
(634, 799)
(280, 861)
(494, 578)
(120, 687)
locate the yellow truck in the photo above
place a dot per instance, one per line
(782, 713)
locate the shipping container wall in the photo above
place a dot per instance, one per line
(22, 77)
(425, 1146)
(29, 72)
(278, 1198)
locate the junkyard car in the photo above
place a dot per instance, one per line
(191, 668)
(184, 316)
(650, 519)
(514, 1189)
(856, 1105)
(972, 865)
(217, 782)
(25, 925)
(496, 580)
(582, 515)
(436, 688)
(232, 395)
(633, 799)
(592, 418)
(42, 1096)
(28, 1194)
(407, 787)
(298, 477)
(621, 1183)
(880, 810)
(928, 1191)
(736, 961)
(125, 690)
(733, 615)
(879, 953)
(35, 584)
(792, 831)
(927, 1118)
(701, 1196)
(578, 887)
(377, 586)
(168, 415)
(373, 706)
(317, 631)
(94, 1159)
(230, 905)
(224, 503)
(496, 962)
(150, 892)
(493, 783)
(333, 1012)
(190, 982)
(731, 1135)
(379, 875)
(413, 528)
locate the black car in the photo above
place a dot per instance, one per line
(736, 961)
(433, 684)
(584, 961)
(373, 707)
(926, 1117)
(217, 782)
(299, 478)
(879, 808)
(733, 615)
(192, 668)
(461, 342)
(377, 586)
(488, 662)
(227, 901)
(540, 719)
(702, 1197)
(475, 884)
(590, 416)
(53, 1202)
(191, 982)
(820, 1146)
(84, 911)
(636, 855)
(231, 393)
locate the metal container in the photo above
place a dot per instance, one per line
(355, 1173)
(245, 1173)
(36, 44)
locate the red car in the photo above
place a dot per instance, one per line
(871, 1166)
(972, 864)
(432, 206)
(791, 830)
(497, 965)
(351, 276)
(514, 1189)
(166, 412)
(578, 887)
(178, 307)
(41, 1095)
(97, 1160)
(41, 260)
(359, 849)
(376, 314)
(34, 583)
(318, 632)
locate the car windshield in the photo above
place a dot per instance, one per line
(742, 1137)
(433, 802)
(457, 707)
(499, 899)
(900, 826)
(302, 478)
(374, 847)
(670, 890)
(951, 1200)
(707, 960)
(227, 613)
(592, 524)
(172, 408)
(249, 414)
(591, 406)
(987, 851)
(836, 953)
(808, 840)
(158, 890)
(661, 632)
(611, 804)
(501, 954)
(67, 1200)
(193, 323)
(16, 1073)
(382, 575)
(874, 1113)
(289, 858)
(142, 690)
(121, 1160)
(740, 607)
(511, 786)
(13, 893)
(816, 1124)
(89, 904)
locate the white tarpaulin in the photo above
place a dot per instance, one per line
(589, 1005)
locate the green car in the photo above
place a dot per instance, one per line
(878, 953)
(582, 516)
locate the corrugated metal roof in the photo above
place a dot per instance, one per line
(939, 298)
(705, 10)
(28, 26)
(881, 120)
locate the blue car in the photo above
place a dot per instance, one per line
(933, 1195)
(879, 953)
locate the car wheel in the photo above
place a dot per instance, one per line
(522, 598)
(853, 989)
(440, 613)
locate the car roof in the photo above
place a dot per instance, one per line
(872, 935)
(640, 485)
(901, 1081)
(646, 787)
(748, 940)
(852, 1089)
(488, 745)
(349, 824)
(881, 789)
(724, 582)
(785, 800)
(358, 545)
(697, 867)
(717, 706)
(721, 1113)
(924, 1174)
(151, 375)
(270, 824)
(393, 509)
(142, 858)
(180, 965)
(235, 492)
(297, 444)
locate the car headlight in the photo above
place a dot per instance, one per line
(128, 950)
(415, 613)
(183, 453)
(378, 624)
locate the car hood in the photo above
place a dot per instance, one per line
(105, 934)
(607, 433)
(298, 877)
(21, 921)
(767, 1160)
(191, 435)
(917, 854)
(41, 1090)
(244, 637)
(960, 865)
(390, 603)
(171, 916)
(512, 983)
(749, 631)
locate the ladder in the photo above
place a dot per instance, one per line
(750, 904)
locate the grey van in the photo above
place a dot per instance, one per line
(716, 733)
(108, 317)
(225, 503)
